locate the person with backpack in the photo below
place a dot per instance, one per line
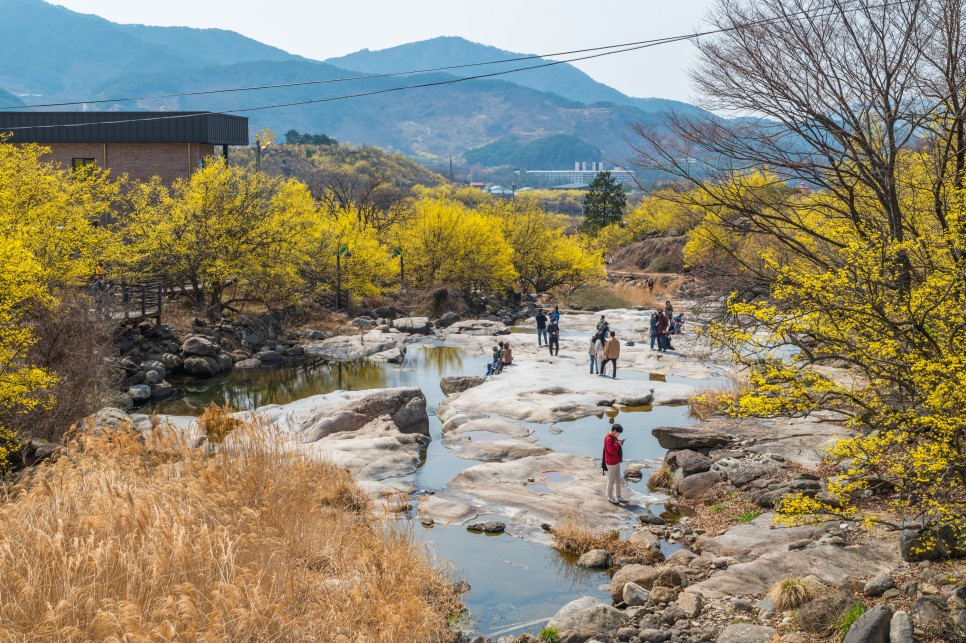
(602, 324)
(612, 350)
(553, 337)
(611, 463)
(541, 328)
(662, 337)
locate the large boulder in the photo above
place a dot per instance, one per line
(139, 392)
(595, 559)
(934, 542)
(871, 627)
(413, 325)
(201, 366)
(689, 437)
(693, 487)
(446, 320)
(478, 327)
(690, 462)
(586, 617)
(460, 383)
(199, 345)
(161, 390)
(350, 347)
(642, 575)
(316, 417)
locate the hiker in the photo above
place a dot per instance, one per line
(650, 284)
(677, 324)
(601, 324)
(553, 337)
(613, 456)
(654, 335)
(612, 350)
(592, 351)
(541, 328)
(669, 311)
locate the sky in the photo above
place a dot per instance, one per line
(321, 30)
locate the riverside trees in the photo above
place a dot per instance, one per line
(839, 210)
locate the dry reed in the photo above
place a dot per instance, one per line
(792, 593)
(575, 535)
(122, 539)
(708, 402)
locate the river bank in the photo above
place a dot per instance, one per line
(521, 449)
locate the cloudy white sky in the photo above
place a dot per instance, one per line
(325, 29)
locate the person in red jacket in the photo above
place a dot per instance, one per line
(613, 455)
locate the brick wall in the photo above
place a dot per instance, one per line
(140, 161)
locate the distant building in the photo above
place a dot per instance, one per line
(142, 145)
(479, 185)
(579, 177)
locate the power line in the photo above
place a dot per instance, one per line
(623, 49)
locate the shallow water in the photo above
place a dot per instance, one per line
(513, 581)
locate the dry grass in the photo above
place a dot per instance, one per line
(706, 403)
(720, 509)
(661, 478)
(122, 540)
(792, 593)
(575, 535)
(217, 422)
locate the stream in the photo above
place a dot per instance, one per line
(513, 582)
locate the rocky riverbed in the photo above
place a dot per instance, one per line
(518, 475)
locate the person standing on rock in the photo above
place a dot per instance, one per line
(653, 329)
(602, 324)
(553, 337)
(668, 311)
(613, 456)
(600, 348)
(541, 329)
(612, 350)
(592, 351)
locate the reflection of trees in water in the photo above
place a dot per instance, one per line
(435, 359)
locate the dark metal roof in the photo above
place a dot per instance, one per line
(125, 127)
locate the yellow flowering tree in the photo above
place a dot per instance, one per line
(446, 243)
(230, 233)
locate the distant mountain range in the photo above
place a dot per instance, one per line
(49, 54)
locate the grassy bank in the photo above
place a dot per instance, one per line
(119, 540)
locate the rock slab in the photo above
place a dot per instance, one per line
(871, 627)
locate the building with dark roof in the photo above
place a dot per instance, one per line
(170, 145)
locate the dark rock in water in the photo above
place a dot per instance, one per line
(871, 627)
(204, 366)
(248, 363)
(681, 437)
(460, 383)
(487, 526)
(595, 559)
(269, 357)
(651, 519)
(161, 390)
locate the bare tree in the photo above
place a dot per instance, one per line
(366, 196)
(832, 92)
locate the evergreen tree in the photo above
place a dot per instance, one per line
(604, 203)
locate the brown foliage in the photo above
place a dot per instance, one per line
(575, 535)
(72, 343)
(126, 539)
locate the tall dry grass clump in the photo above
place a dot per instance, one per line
(792, 593)
(576, 535)
(122, 540)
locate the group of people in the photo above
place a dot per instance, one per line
(604, 347)
(665, 323)
(548, 330)
(502, 357)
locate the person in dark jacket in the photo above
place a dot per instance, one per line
(662, 337)
(541, 329)
(553, 337)
(653, 329)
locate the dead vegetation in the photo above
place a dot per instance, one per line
(708, 402)
(720, 509)
(576, 535)
(119, 539)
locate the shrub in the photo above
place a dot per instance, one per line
(748, 516)
(710, 401)
(596, 298)
(791, 593)
(550, 635)
(217, 422)
(662, 478)
(119, 539)
(851, 616)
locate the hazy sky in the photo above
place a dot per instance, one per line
(322, 30)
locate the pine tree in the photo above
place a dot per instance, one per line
(603, 204)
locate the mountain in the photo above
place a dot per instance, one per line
(49, 52)
(8, 99)
(556, 115)
(447, 51)
(555, 152)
